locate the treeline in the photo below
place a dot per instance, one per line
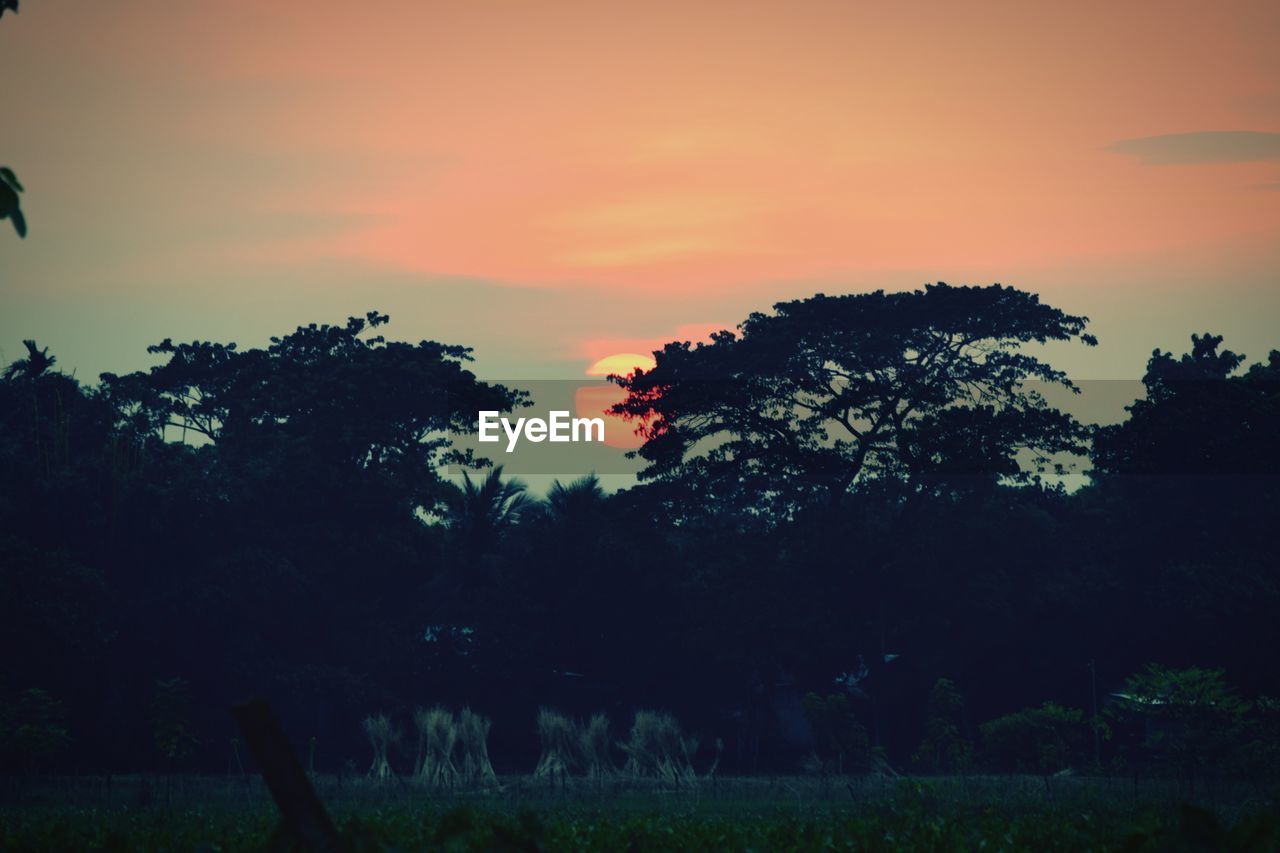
(276, 522)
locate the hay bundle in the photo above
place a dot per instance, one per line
(561, 742)
(437, 741)
(382, 736)
(594, 745)
(473, 735)
(658, 748)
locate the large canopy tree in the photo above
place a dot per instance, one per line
(329, 395)
(831, 391)
(312, 462)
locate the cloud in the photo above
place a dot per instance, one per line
(1206, 146)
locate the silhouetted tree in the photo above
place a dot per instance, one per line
(268, 520)
(832, 390)
(944, 747)
(580, 503)
(1199, 416)
(10, 206)
(479, 513)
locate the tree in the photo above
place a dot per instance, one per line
(171, 720)
(1199, 416)
(578, 504)
(290, 524)
(33, 729)
(1184, 500)
(36, 364)
(1040, 740)
(944, 749)
(479, 513)
(1191, 719)
(830, 391)
(324, 394)
(838, 733)
(10, 204)
(9, 186)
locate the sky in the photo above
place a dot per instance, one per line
(555, 182)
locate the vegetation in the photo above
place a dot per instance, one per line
(382, 736)
(658, 748)
(1191, 720)
(913, 385)
(437, 740)
(910, 816)
(902, 595)
(945, 749)
(840, 739)
(561, 741)
(33, 730)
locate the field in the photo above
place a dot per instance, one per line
(783, 813)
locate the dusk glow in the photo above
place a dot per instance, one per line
(713, 155)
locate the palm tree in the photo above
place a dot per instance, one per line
(480, 512)
(580, 502)
(35, 365)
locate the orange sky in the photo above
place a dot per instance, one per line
(232, 169)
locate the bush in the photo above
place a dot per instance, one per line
(33, 730)
(1191, 719)
(171, 717)
(944, 749)
(842, 741)
(1040, 740)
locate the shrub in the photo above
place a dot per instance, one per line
(171, 719)
(1040, 740)
(1191, 719)
(33, 729)
(944, 748)
(842, 741)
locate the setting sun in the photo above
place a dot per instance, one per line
(621, 364)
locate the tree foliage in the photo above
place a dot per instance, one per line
(832, 390)
(1041, 740)
(305, 541)
(945, 748)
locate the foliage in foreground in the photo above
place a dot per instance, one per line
(916, 819)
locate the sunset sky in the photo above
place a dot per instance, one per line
(552, 183)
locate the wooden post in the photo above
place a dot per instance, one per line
(302, 815)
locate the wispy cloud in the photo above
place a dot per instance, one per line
(1206, 146)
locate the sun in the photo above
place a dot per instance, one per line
(621, 363)
(593, 400)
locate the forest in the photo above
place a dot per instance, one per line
(845, 556)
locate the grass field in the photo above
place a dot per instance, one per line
(867, 813)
